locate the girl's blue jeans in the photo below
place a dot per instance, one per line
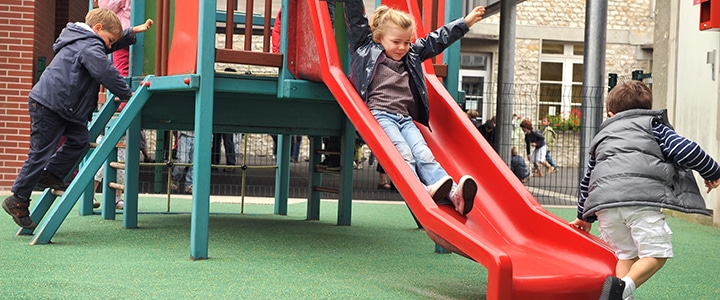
(410, 143)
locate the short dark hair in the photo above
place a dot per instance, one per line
(629, 95)
(526, 124)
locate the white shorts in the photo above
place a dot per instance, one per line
(636, 231)
(538, 156)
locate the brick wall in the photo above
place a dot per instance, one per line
(16, 76)
(27, 31)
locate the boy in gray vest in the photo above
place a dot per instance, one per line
(638, 164)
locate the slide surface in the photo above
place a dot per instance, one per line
(529, 253)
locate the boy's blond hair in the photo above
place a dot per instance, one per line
(472, 114)
(629, 95)
(513, 151)
(384, 16)
(109, 20)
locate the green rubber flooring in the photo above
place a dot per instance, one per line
(257, 255)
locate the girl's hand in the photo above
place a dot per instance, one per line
(143, 27)
(474, 16)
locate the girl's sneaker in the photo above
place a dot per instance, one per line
(440, 189)
(463, 195)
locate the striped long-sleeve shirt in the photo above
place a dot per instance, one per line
(675, 147)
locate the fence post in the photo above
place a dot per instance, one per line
(637, 75)
(612, 81)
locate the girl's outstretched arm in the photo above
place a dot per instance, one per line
(474, 16)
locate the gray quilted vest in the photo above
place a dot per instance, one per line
(631, 169)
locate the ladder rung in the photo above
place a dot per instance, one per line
(327, 189)
(327, 152)
(94, 145)
(326, 171)
(116, 186)
(117, 165)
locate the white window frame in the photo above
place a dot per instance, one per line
(568, 59)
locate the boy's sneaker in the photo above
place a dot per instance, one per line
(612, 289)
(96, 204)
(119, 203)
(188, 189)
(18, 209)
(463, 195)
(49, 180)
(440, 189)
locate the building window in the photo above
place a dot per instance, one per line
(561, 72)
(474, 62)
(474, 75)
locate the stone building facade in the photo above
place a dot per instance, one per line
(543, 28)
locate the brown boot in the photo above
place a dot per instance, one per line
(18, 209)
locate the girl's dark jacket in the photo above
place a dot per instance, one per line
(70, 84)
(367, 54)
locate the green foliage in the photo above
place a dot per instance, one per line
(566, 121)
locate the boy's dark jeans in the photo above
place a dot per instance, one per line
(47, 129)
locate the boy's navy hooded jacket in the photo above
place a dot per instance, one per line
(367, 54)
(70, 84)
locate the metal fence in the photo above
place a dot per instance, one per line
(255, 166)
(255, 160)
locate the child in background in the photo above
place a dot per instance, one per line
(550, 137)
(185, 151)
(518, 166)
(537, 140)
(62, 103)
(638, 164)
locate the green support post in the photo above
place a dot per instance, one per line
(346, 173)
(282, 178)
(203, 132)
(109, 175)
(132, 174)
(452, 56)
(313, 206)
(86, 208)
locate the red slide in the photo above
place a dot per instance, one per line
(529, 253)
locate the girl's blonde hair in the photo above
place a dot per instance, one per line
(385, 16)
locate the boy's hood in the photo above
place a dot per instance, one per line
(74, 32)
